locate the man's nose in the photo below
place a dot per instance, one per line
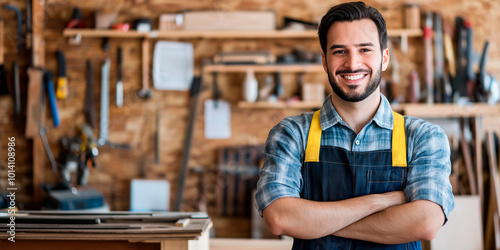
(352, 61)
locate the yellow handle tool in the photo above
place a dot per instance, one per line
(62, 80)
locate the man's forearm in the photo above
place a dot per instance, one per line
(307, 219)
(418, 220)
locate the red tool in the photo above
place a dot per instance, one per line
(121, 26)
(76, 20)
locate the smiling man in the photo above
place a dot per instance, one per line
(355, 174)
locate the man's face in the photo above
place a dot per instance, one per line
(353, 60)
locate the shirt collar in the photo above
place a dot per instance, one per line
(329, 116)
(384, 117)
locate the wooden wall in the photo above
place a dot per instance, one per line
(134, 123)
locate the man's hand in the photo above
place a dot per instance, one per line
(307, 219)
(393, 198)
(417, 220)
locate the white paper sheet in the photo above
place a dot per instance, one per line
(173, 65)
(217, 119)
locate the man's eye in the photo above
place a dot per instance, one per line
(339, 52)
(365, 50)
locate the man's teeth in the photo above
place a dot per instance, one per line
(355, 77)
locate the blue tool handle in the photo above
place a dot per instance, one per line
(52, 98)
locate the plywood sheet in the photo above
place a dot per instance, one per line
(463, 231)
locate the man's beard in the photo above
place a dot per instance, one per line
(355, 97)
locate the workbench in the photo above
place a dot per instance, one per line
(114, 230)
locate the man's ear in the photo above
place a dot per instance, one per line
(323, 59)
(385, 59)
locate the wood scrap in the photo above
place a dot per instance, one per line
(182, 222)
(455, 163)
(467, 158)
(494, 191)
(230, 171)
(50, 220)
(73, 226)
(489, 228)
(134, 228)
(478, 145)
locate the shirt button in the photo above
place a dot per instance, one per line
(357, 142)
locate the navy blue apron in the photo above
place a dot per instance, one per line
(333, 174)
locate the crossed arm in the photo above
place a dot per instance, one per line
(381, 218)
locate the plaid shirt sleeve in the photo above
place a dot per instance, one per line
(429, 168)
(280, 176)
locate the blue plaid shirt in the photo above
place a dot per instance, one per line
(427, 145)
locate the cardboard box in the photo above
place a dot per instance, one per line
(313, 92)
(230, 20)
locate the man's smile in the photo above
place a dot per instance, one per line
(353, 77)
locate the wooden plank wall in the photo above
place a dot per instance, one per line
(134, 123)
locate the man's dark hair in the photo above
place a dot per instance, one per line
(349, 12)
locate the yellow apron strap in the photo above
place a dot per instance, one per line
(398, 141)
(313, 140)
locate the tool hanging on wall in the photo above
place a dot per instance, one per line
(280, 90)
(449, 53)
(459, 84)
(19, 24)
(29, 24)
(89, 105)
(471, 77)
(16, 98)
(76, 20)
(104, 114)
(88, 153)
(488, 88)
(394, 84)
(145, 92)
(216, 93)
(42, 130)
(157, 133)
(119, 82)
(76, 155)
(414, 87)
(438, 59)
(49, 84)
(193, 111)
(16, 95)
(429, 72)
(4, 89)
(62, 80)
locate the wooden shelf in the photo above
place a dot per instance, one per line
(233, 34)
(280, 105)
(104, 33)
(263, 68)
(405, 32)
(193, 34)
(440, 110)
(443, 110)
